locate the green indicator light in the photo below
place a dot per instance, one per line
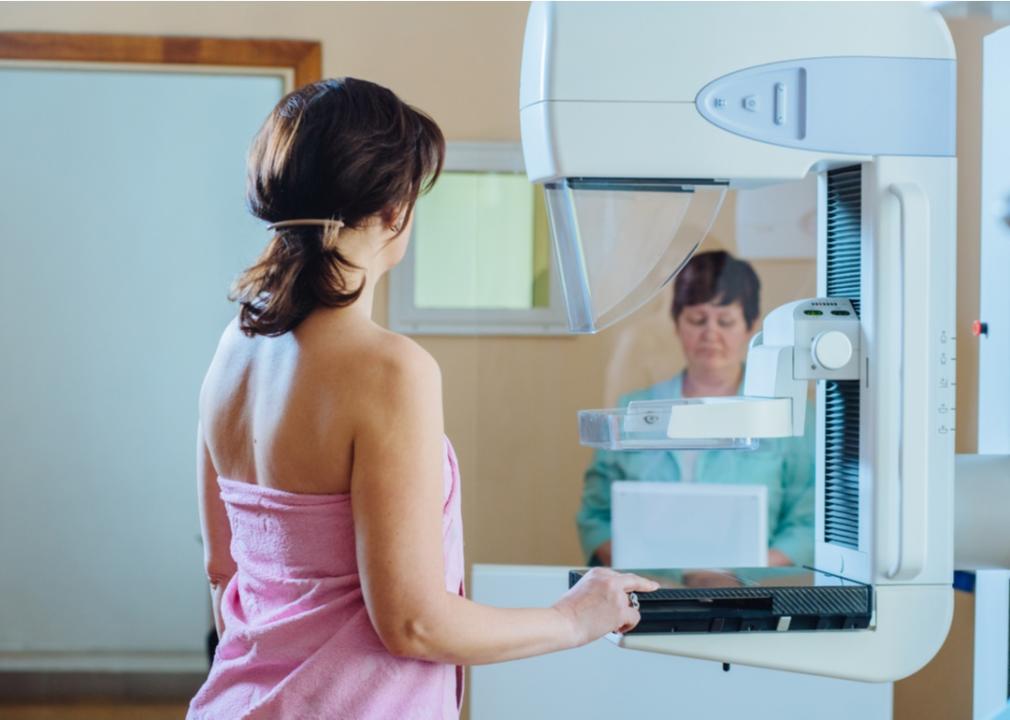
(840, 312)
(815, 313)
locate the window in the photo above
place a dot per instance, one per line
(479, 260)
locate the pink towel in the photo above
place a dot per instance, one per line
(298, 642)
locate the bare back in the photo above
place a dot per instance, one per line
(280, 411)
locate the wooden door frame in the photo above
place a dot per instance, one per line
(304, 57)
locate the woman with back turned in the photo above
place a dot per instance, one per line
(330, 498)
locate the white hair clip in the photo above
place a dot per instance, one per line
(305, 222)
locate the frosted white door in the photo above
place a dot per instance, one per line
(122, 224)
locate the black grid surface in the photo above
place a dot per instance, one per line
(841, 438)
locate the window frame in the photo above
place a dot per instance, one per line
(407, 318)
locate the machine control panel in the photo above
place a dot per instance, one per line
(759, 102)
(831, 350)
(826, 339)
(946, 397)
(857, 105)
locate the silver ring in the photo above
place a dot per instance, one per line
(633, 600)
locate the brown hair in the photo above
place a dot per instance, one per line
(340, 149)
(721, 278)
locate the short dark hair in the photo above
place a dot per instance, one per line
(341, 149)
(717, 277)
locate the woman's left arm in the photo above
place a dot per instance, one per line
(218, 562)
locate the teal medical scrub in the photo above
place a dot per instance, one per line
(784, 465)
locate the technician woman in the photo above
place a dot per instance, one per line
(715, 307)
(329, 495)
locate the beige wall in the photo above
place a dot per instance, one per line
(458, 61)
(511, 402)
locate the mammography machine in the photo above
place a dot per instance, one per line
(636, 131)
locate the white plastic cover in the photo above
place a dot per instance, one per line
(645, 428)
(619, 241)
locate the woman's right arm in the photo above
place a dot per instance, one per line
(397, 500)
(218, 562)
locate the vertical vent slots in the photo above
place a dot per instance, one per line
(844, 219)
(841, 463)
(841, 406)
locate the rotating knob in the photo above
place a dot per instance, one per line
(832, 350)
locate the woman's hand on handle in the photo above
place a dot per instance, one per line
(600, 603)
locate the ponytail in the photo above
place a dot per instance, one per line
(340, 148)
(298, 271)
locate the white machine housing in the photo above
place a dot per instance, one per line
(633, 91)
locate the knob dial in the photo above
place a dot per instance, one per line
(832, 350)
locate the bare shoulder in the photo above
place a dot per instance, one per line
(400, 364)
(407, 356)
(232, 349)
(398, 373)
(230, 341)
